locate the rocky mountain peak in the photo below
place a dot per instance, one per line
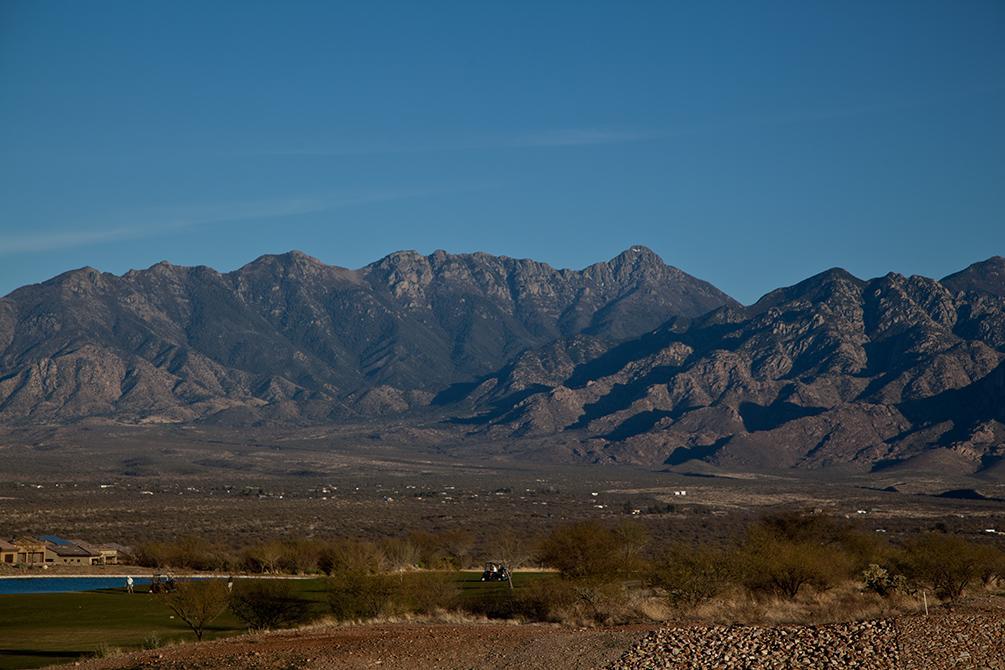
(820, 287)
(984, 277)
(637, 254)
(292, 264)
(86, 273)
(289, 259)
(635, 260)
(80, 280)
(297, 256)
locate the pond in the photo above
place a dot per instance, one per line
(13, 585)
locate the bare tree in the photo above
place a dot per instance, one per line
(269, 603)
(267, 555)
(632, 540)
(301, 556)
(513, 550)
(198, 602)
(401, 554)
(354, 556)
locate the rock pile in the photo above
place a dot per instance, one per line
(935, 643)
(971, 640)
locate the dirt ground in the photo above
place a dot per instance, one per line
(948, 640)
(398, 646)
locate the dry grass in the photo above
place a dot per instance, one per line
(846, 602)
(105, 650)
(438, 617)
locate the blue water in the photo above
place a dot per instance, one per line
(65, 584)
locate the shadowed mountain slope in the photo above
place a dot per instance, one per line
(630, 360)
(288, 338)
(833, 370)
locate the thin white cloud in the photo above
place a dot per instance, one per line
(208, 216)
(64, 239)
(594, 136)
(556, 138)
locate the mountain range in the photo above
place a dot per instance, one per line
(633, 359)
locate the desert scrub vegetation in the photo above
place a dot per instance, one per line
(784, 567)
(264, 604)
(791, 567)
(949, 564)
(769, 562)
(593, 551)
(306, 556)
(691, 575)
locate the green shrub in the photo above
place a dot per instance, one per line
(351, 556)
(802, 527)
(189, 553)
(300, 556)
(544, 599)
(768, 563)
(865, 549)
(878, 579)
(358, 595)
(449, 550)
(947, 563)
(152, 641)
(691, 575)
(992, 566)
(586, 550)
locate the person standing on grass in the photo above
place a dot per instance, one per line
(129, 583)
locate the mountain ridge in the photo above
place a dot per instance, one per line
(832, 370)
(632, 358)
(290, 332)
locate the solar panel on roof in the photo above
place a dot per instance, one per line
(55, 539)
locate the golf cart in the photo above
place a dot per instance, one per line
(162, 584)
(495, 572)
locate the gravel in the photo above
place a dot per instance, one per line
(933, 643)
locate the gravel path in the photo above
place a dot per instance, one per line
(939, 642)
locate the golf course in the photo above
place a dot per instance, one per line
(40, 629)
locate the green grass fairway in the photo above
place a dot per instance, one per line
(47, 628)
(43, 629)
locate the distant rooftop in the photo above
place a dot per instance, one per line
(55, 539)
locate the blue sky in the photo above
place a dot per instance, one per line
(749, 143)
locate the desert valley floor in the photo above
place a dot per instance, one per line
(143, 483)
